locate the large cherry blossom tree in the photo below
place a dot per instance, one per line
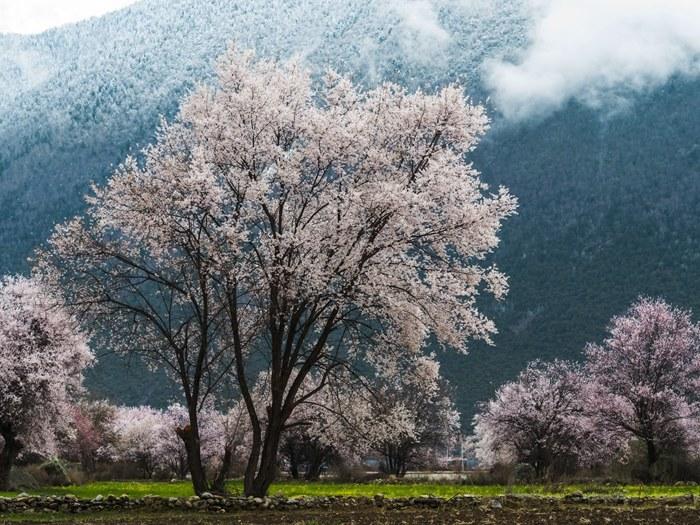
(646, 375)
(42, 357)
(291, 219)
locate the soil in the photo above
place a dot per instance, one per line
(522, 515)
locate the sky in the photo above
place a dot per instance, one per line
(35, 16)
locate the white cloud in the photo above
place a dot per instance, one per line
(421, 17)
(422, 34)
(596, 51)
(34, 16)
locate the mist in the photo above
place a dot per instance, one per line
(599, 53)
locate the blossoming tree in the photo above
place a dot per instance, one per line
(319, 432)
(646, 376)
(410, 417)
(540, 419)
(224, 436)
(42, 356)
(294, 219)
(401, 413)
(91, 424)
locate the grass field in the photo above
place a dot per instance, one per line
(292, 489)
(523, 512)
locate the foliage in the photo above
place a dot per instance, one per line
(91, 425)
(307, 223)
(646, 376)
(542, 419)
(55, 471)
(42, 357)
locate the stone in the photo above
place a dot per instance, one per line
(576, 496)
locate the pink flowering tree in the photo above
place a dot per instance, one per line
(91, 425)
(139, 439)
(42, 357)
(541, 419)
(292, 219)
(646, 376)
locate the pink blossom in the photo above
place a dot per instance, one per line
(292, 219)
(42, 357)
(646, 376)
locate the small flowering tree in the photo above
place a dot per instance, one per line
(42, 357)
(91, 424)
(318, 432)
(139, 440)
(411, 414)
(403, 414)
(539, 419)
(646, 376)
(295, 219)
(306, 454)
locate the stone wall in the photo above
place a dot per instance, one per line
(25, 503)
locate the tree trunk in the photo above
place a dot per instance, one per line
(252, 465)
(8, 455)
(395, 460)
(266, 473)
(313, 471)
(182, 467)
(652, 453)
(219, 484)
(402, 469)
(190, 436)
(293, 461)
(259, 482)
(316, 458)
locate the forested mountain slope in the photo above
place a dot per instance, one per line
(609, 203)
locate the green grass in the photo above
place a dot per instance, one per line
(137, 489)
(134, 489)
(132, 517)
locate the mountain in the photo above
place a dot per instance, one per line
(609, 201)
